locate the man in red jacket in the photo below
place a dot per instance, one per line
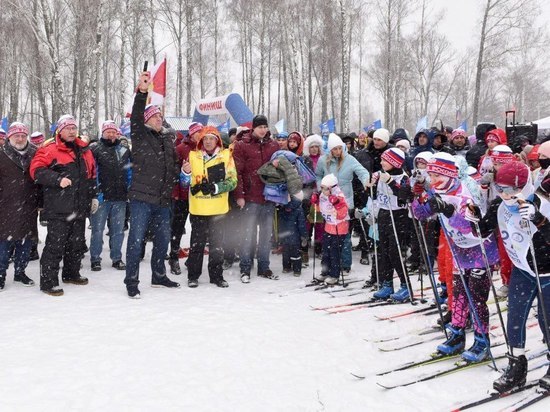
(65, 169)
(255, 149)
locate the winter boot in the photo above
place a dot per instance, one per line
(174, 266)
(502, 292)
(514, 376)
(455, 344)
(164, 282)
(53, 291)
(330, 281)
(75, 280)
(23, 279)
(227, 263)
(402, 294)
(385, 291)
(320, 277)
(96, 266)
(369, 283)
(479, 350)
(2, 282)
(544, 382)
(119, 265)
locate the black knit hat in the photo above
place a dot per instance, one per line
(259, 120)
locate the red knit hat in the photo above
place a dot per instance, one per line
(502, 154)
(194, 128)
(534, 153)
(108, 125)
(64, 121)
(514, 174)
(17, 127)
(443, 164)
(150, 111)
(394, 156)
(37, 138)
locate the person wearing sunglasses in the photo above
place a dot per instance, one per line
(522, 215)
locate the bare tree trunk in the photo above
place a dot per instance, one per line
(216, 54)
(122, 61)
(152, 23)
(189, 57)
(479, 65)
(345, 27)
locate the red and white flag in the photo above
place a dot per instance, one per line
(157, 87)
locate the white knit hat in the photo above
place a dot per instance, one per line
(334, 141)
(329, 181)
(382, 134)
(313, 140)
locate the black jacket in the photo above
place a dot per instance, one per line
(154, 163)
(18, 194)
(112, 164)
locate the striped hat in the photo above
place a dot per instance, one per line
(37, 138)
(64, 121)
(17, 127)
(443, 164)
(502, 154)
(195, 127)
(108, 125)
(150, 111)
(394, 156)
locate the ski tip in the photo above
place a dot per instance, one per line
(360, 377)
(384, 386)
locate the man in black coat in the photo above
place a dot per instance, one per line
(18, 203)
(113, 175)
(154, 174)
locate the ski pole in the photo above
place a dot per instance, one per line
(340, 246)
(467, 291)
(405, 273)
(375, 234)
(493, 289)
(428, 264)
(546, 334)
(314, 232)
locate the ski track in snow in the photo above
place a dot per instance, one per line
(211, 349)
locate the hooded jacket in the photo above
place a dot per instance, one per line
(428, 147)
(217, 168)
(474, 154)
(250, 154)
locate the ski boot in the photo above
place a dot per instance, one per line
(502, 292)
(514, 376)
(402, 294)
(455, 344)
(447, 318)
(320, 277)
(544, 382)
(331, 281)
(479, 350)
(443, 295)
(385, 291)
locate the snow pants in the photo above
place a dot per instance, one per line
(387, 249)
(478, 283)
(203, 229)
(521, 294)
(65, 241)
(292, 257)
(332, 254)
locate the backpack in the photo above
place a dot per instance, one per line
(308, 176)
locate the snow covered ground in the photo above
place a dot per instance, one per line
(245, 348)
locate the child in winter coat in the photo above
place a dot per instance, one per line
(292, 235)
(333, 207)
(393, 192)
(449, 199)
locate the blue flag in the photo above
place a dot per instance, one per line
(464, 126)
(377, 124)
(281, 126)
(53, 127)
(224, 127)
(328, 127)
(125, 127)
(5, 124)
(422, 123)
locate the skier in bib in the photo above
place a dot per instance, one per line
(522, 217)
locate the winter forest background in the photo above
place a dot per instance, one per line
(305, 61)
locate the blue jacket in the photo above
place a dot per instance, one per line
(292, 223)
(350, 165)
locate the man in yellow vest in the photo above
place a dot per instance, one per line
(210, 173)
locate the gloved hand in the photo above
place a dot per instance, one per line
(487, 179)
(195, 189)
(384, 177)
(419, 177)
(208, 188)
(437, 205)
(418, 188)
(404, 195)
(357, 213)
(527, 210)
(333, 199)
(95, 206)
(473, 213)
(315, 198)
(303, 243)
